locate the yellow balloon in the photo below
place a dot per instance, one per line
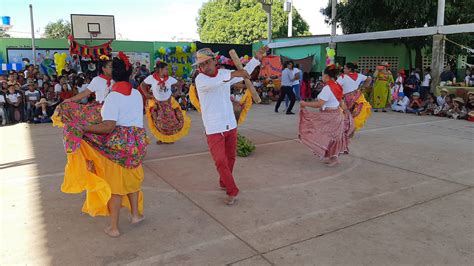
(60, 62)
(193, 47)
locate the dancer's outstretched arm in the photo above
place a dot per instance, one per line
(317, 104)
(106, 127)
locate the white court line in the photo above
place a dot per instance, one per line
(161, 258)
(398, 126)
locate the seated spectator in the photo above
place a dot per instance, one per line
(14, 104)
(3, 111)
(470, 101)
(32, 96)
(443, 109)
(401, 104)
(67, 70)
(416, 104)
(442, 98)
(458, 111)
(65, 92)
(430, 105)
(81, 86)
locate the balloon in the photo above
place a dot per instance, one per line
(60, 62)
(186, 49)
(193, 48)
(246, 57)
(162, 50)
(179, 49)
(168, 50)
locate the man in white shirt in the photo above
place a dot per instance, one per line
(288, 78)
(213, 88)
(297, 83)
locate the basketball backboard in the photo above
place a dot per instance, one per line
(93, 27)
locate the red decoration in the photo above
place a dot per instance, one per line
(124, 58)
(93, 52)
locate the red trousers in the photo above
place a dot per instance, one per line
(223, 147)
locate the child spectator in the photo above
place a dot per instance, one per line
(65, 92)
(430, 105)
(442, 98)
(14, 101)
(398, 84)
(443, 109)
(415, 105)
(401, 104)
(458, 111)
(32, 96)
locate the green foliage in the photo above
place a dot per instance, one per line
(57, 30)
(356, 16)
(244, 21)
(244, 146)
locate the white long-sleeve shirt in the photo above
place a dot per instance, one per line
(214, 96)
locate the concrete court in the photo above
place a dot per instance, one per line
(404, 195)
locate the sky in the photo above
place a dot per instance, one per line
(138, 20)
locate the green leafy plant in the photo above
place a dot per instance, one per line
(244, 146)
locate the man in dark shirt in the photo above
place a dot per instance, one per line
(447, 74)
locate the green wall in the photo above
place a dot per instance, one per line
(126, 46)
(351, 51)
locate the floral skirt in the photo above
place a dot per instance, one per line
(167, 121)
(326, 133)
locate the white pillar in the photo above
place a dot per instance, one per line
(440, 17)
(333, 23)
(33, 47)
(439, 43)
(290, 19)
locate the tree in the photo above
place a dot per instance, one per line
(383, 15)
(244, 21)
(57, 30)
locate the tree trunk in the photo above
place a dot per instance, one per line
(418, 58)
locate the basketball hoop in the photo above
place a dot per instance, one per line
(94, 34)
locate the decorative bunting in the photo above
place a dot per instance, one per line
(93, 52)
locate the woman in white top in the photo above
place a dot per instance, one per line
(100, 85)
(108, 153)
(354, 99)
(326, 133)
(167, 121)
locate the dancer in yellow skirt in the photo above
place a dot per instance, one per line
(167, 121)
(353, 97)
(105, 147)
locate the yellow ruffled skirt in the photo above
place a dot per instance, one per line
(163, 137)
(88, 170)
(363, 116)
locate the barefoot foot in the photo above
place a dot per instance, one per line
(138, 219)
(111, 233)
(333, 163)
